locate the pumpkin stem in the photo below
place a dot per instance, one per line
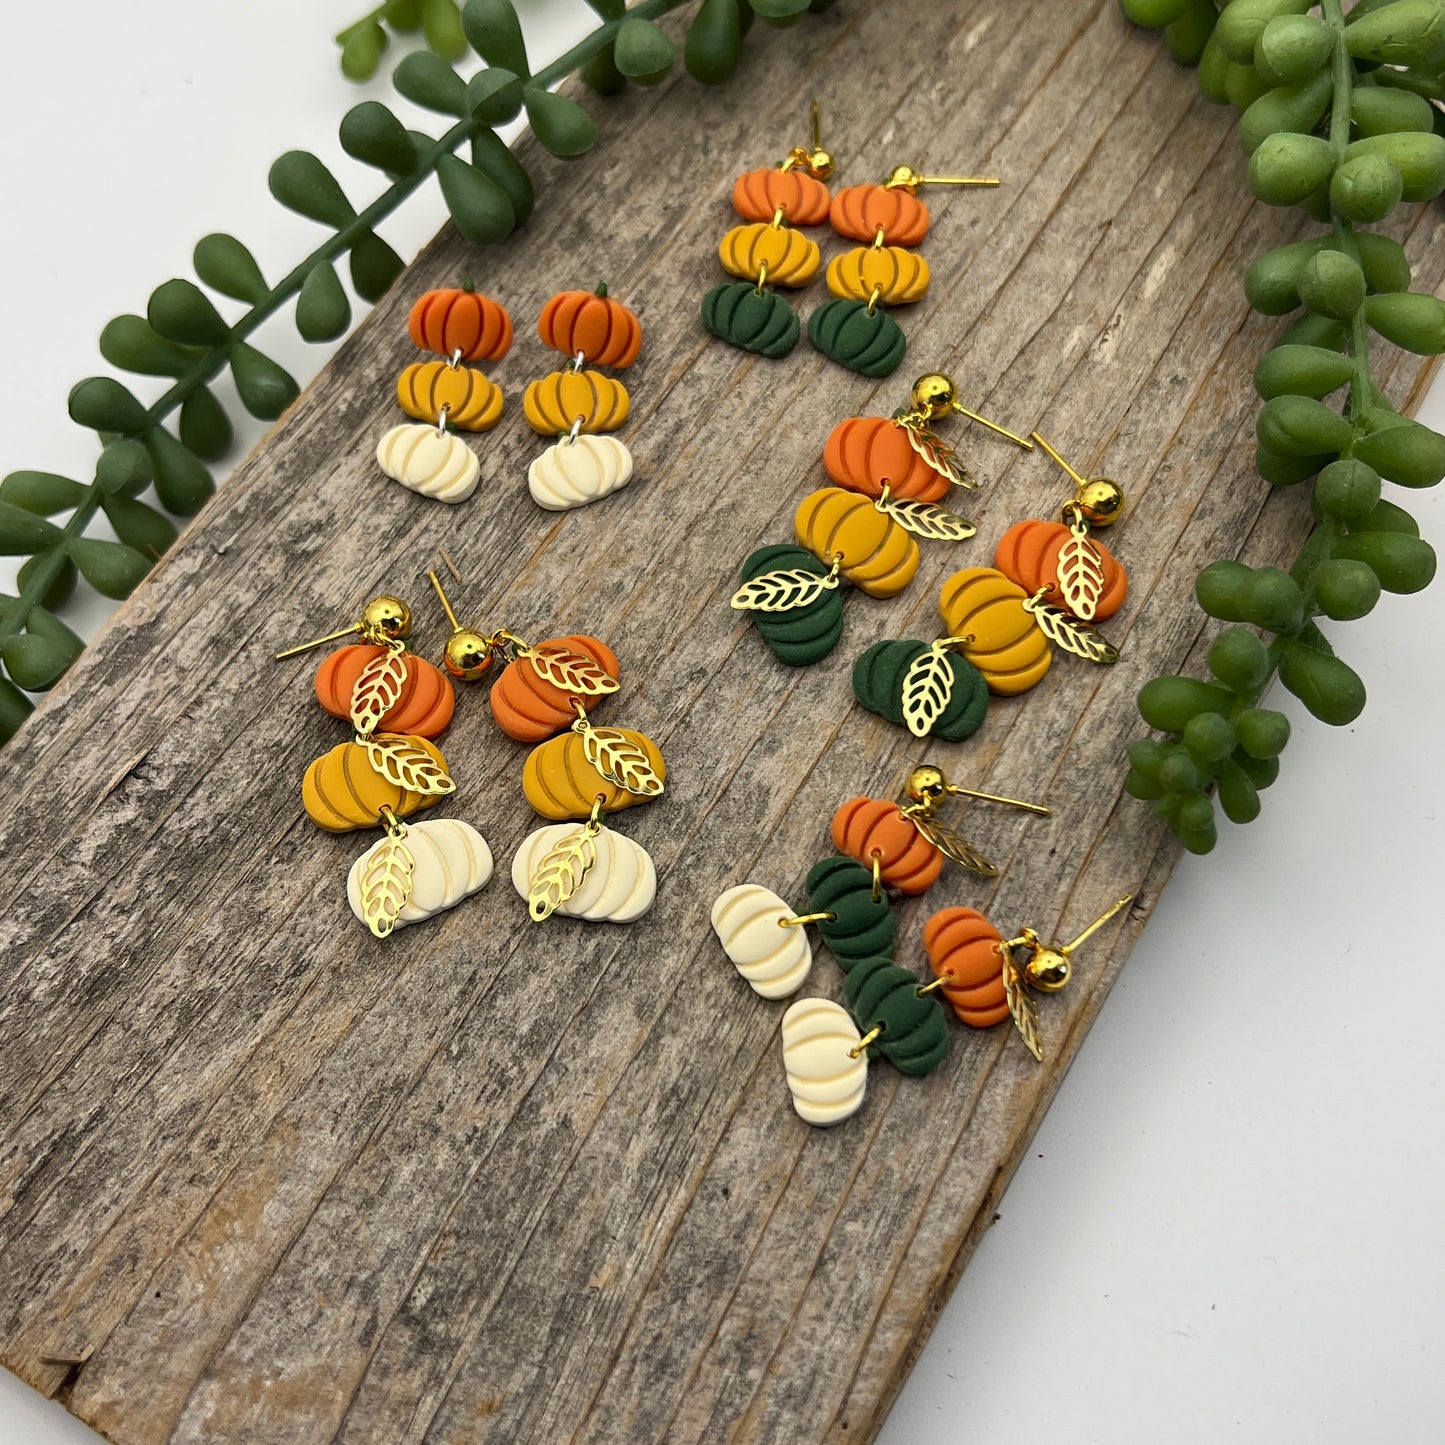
(601, 289)
(468, 284)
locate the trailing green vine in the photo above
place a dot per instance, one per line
(183, 336)
(1340, 117)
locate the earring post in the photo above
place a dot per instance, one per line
(1051, 452)
(319, 642)
(442, 598)
(1037, 808)
(1003, 431)
(1095, 926)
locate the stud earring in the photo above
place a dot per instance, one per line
(854, 328)
(986, 978)
(459, 325)
(576, 773)
(396, 703)
(577, 405)
(768, 249)
(1002, 608)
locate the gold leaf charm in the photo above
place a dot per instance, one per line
(784, 590)
(1081, 574)
(951, 843)
(937, 454)
(403, 761)
(561, 872)
(378, 689)
(924, 519)
(1021, 1004)
(1075, 637)
(927, 688)
(571, 672)
(618, 759)
(386, 883)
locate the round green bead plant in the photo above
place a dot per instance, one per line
(1341, 117)
(183, 338)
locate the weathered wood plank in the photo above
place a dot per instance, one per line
(484, 1181)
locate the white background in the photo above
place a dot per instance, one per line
(1228, 1227)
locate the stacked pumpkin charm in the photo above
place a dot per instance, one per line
(391, 769)
(579, 406)
(460, 325)
(577, 774)
(854, 329)
(886, 1013)
(768, 250)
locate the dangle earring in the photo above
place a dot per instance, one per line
(987, 978)
(577, 773)
(576, 405)
(1002, 608)
(396, 702)
(854, 329)
(767, 249)
(460, 325)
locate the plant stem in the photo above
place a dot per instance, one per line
(44, 574)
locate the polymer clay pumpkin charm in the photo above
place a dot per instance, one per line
(858, 920)
(987, 978)
(578, 470)
(868, 547)
(539, 692)
(762, 939)
(462, 323)
(808, 632)
(900, 1023)
(584, 400)
(424, 697)
(823, 1062)
(429, 461)
(926, 687)
(618, 881)
(589, 324)
(437, 390)
(613, 768)
(767, 250)
(343, 790)
(853, 329)
(449, 861)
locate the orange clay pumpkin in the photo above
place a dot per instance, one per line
(878, 556)
(560, 783)
(424, 708)
(859, 212)
(804, 200)
(606, 332)
(341, 791)
(1008, 647)
(863, 452)
(962, 947)
(450, 321)
(907, 861)
(472, 402)
(528, 707)
(790, 257)
(553, 404)
(898, 277)
(1028, 553)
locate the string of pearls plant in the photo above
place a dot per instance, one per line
(184, 338)
(1341, 116)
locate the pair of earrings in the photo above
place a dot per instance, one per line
(397, 703)
(888, 1012)
(889, 474)
(853, 328)
(578, 405)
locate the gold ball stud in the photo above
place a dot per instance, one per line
(903, 178)
(926, 784)
(934, 395)
(1048, 970)
(821, 164)
(389, 616)
(1101, 501)
(469, 655)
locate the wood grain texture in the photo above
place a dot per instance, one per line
(278, 1181)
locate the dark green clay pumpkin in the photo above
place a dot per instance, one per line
(878, 684)
(762, 323)
(915, 1032)
(845, 332)
(806, 634)
(862, 928)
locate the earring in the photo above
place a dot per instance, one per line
(396, 702)
(1002, 609)
(767, 248)
(987, 978)
(576, 405)
(853, 329)
(460, 325)
(576, 773)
